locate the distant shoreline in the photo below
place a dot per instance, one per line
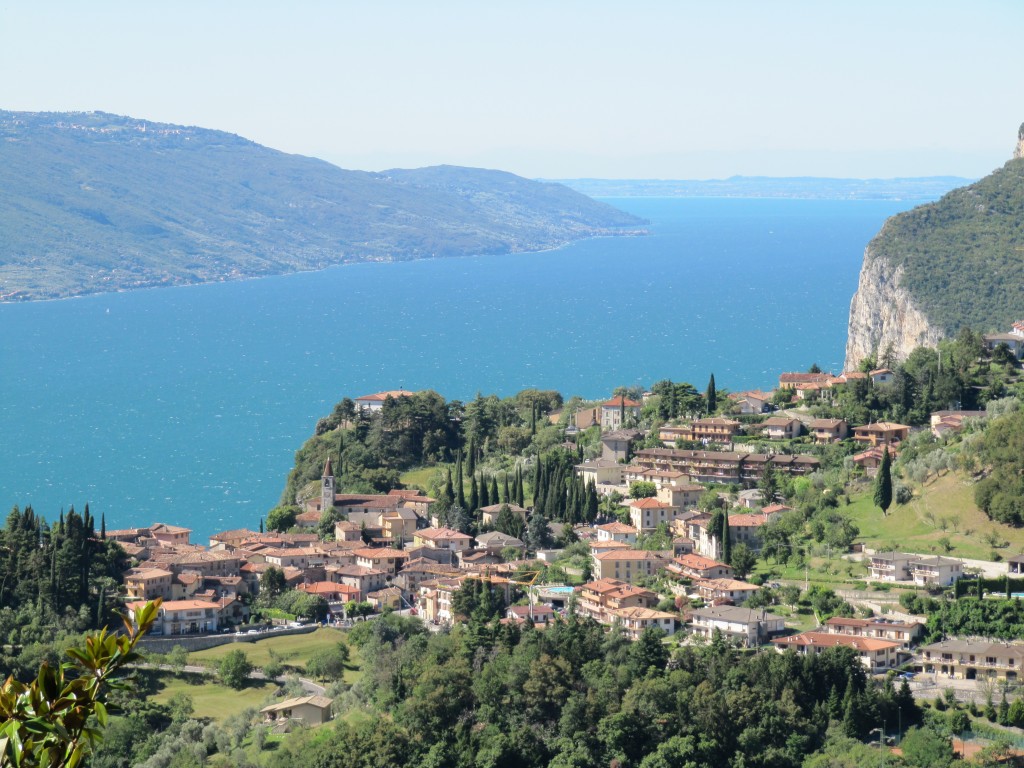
(775, 188)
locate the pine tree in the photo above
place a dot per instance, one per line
(712, 395)
(883, 483)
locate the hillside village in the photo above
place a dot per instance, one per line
(651, 556)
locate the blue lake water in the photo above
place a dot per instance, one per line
(186, 405)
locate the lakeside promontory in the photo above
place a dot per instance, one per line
(952, 264)
(92, 202)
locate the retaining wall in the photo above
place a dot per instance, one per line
(202, 642)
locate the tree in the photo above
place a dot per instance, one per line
(712, 395)
(742, 560)
(924, 748)
(883, 483)
(272, 583)
(282, 519)
(328, 663)
(642, 489)
(177, 658)
(726, 539)
(55, 720)
(234, 669)
(769, 484)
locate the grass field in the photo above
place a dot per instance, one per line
(942, 508)
(211, 699)
(293, 650)
(419, 478)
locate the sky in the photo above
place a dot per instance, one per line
(547, 89)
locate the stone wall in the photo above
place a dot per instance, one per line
(202, 642)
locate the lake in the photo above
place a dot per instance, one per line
(186, 405)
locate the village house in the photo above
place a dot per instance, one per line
(170, 534)
(723, 467)
(725, 590)
(381, 558)
(1015, 564)
(905, 633)
(629, 564)
(1014, 340)
(968, 659)
(694, 566)
(935, 571)
(791, 380)
(748, 627)
(947, 422)
(332, 592)
(635, 621)
(647, 514)
(364, 579)
(752, 401)
(538, 614)
(602, 472)
(669, 434)
(682, 495)
(922, 570)
(375, 402)
(871, 459)
(496, 541)
(876, 655)
(183, 617)
(881, 376)
(389, 597)
(613, 411)
(149, 584)
(716, 429)
(227, 540)
(597, 598)
(616, 445)
(781, 428)
(881, 433)
(345, 530)
(443, 538)
(585, 418)
(489, 514)
(308, 710)
(616, 532)
(828, 430)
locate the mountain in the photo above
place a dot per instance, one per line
(93, 202)
(954, 263)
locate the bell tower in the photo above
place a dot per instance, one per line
(327, 487)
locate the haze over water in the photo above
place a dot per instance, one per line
(186, 405)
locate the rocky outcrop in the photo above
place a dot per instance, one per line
(883, 315)
(1018, 153)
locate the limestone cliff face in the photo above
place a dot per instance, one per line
(882, 313)
(1019, 151)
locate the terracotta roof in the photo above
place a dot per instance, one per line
(649, 503)
(620, 402)
(434, 534)
(748, 520)
(178, 605)
(830, 640)
(380, 397)
(699, 562)
(825, 423)
(616, 527)
(630, 554)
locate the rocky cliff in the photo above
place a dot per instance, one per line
(947, 265)
(883, 315)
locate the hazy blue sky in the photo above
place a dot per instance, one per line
(553, 89)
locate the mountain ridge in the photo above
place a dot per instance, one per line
(93, 202)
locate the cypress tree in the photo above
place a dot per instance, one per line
(474, 495)
(471, 463)
(460, 491)
(493, 495)
(533, 419)
(485, 495)
(506, 497)
(712, 395)
(883, 483)
(103, 526)
(520, 494)
(592, 502)
(261, 525)
(726, 544)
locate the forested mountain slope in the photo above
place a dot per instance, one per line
(97, 202)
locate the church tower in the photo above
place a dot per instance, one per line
(327, 487)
